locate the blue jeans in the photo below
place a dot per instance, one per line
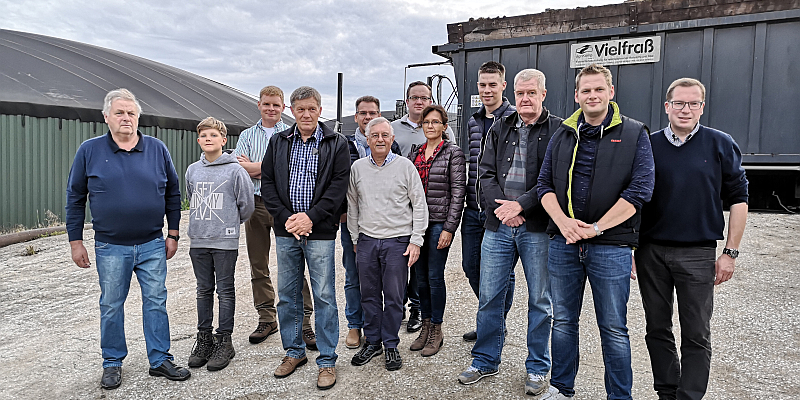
(499, 254)
(352, 289)
(215, 267)
(293, 255)
(430, 275)
(608, 269)
(115, 267)
(471, 239)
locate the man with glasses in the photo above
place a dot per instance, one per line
(408, 132)
(697, 167)
(305, 174)
(387, 217)
(367, 108)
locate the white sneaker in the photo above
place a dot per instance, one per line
(553, 394)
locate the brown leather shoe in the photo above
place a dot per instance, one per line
(419, 344)
(326, 378)
(310, 338)
(263, 331)
(288, 366)
(353, 340)
(435, 341)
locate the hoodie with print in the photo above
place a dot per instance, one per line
(221, 198)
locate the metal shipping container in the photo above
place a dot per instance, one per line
(749, 64)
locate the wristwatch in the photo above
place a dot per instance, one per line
(597, 230)
(174, 237)
(732, 253)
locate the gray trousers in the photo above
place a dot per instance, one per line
(688, 272)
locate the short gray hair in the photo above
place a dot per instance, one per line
(305, 92)
(376, 121)
(120, 94)
(528, 74)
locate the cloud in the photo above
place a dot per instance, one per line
(248, 44)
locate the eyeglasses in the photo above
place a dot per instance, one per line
(423, 98)
(370, 113)
(434, 122)
(693, 105)
(375, 136)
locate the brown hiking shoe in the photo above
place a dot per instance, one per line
(419, 344)
(310, 338)
(435, 341)
(263, 331)
(353, 340)
(326, 378)
(288, 366)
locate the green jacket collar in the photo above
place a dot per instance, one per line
(616, 118)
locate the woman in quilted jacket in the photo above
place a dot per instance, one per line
(442, 168)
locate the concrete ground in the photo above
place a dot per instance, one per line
(50, 344)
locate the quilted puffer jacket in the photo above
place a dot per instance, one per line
(446, 185)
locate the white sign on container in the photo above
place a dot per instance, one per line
(616, 52)
(475, 101)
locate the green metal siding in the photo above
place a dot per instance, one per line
(36, 155)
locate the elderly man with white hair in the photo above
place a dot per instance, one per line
(387, 217)
(131, 183)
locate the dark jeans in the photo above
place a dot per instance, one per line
(471, 239)
(214, 266)
(383, 273)
(411, 295)
(689, 272)
(430, 275)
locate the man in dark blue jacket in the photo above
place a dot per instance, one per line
(597, 174)
(304, 176)
(696, 169)
(131, 185)
(491, 83)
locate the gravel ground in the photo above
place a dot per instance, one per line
(50, 336)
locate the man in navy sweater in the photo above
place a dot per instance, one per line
(131, 184)
(696, 169)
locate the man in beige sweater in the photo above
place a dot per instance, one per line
(387, 217)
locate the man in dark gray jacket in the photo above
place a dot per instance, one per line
(515, 228)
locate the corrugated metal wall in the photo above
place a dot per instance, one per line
(36, 155)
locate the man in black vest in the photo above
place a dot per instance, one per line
(597, 173)
(697, 167)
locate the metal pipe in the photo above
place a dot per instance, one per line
(339, 104)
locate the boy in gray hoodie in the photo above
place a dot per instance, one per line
(221, 198)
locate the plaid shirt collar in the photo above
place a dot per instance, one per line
(389, 158)
(675, 140)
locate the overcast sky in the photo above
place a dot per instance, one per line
(248, 44)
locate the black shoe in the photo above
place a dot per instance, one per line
(223, 352)
(393, 360)
(470, 336)
(171, 371)
(112, 378)
(202, 349)
(366, 353)
(414, 321)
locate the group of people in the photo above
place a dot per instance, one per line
(590, 197)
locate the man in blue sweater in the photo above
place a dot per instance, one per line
(131, 184)
(596, 175)
(696, 169)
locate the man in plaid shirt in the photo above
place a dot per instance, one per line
(304, 195)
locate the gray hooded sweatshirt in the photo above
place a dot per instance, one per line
(221, 198)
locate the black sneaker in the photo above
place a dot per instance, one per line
(470, 336)
(393, 360)
(366, 353)
(202, 349)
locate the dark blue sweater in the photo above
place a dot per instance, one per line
(129, 191)
(691, 182)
